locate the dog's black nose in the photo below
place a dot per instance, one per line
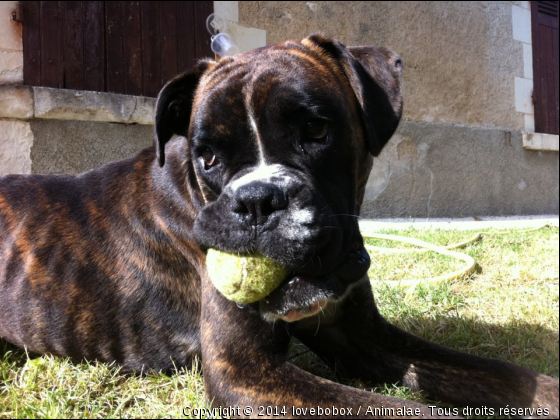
(258, 200)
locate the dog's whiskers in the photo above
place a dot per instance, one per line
(318, 322)
(345, 215)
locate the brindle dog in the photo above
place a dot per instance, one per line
(266, 151)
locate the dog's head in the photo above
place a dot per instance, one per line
(278, 144)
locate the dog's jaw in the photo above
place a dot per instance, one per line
(302, 296)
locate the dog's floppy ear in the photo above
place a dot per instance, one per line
(375, 76)
(174, 106)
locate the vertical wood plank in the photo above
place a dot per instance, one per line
(73, 44)
(51, 45)
(94, 46)
(31, 42)
(114, 47)
(556, 87)
(151, 63)
(185, 36)
(132, 43)
(543, 37)
(551, 111)
(168, 27)
(538, 87)
(202, 9)
(536, 58)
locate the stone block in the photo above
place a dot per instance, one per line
(77, 105)
(11, 67)
(16, 101)
(16, 140)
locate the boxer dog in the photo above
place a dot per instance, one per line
(268, 151)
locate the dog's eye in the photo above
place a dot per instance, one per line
(209, 159)
(317, 129)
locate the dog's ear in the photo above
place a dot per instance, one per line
(375, 75)
(174, 106)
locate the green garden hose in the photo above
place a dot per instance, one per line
(470, 263)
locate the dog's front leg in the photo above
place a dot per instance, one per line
(356, 339)
(245, 368)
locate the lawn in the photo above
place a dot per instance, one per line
(507, 309)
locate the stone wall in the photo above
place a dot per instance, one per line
(460, 58)
(443, 170)
(45, 130)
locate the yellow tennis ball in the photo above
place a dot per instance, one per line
(245, 278)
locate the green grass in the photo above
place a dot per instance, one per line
(508, 310)
(50, 387)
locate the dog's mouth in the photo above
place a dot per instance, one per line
(302, 296)
(300, 313)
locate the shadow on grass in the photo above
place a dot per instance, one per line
(528, 345)
(12, 355)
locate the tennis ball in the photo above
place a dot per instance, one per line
(245, 278)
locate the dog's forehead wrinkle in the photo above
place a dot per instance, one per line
(225, 71)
